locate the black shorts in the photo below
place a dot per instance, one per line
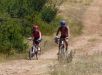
(35, 41)
(63, 37)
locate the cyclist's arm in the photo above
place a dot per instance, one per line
(32, 34)
(40, 35)
(68, 32)
(58, 31)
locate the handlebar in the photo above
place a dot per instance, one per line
(30, 39)
(59, 38)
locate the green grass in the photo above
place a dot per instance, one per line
(85, 65)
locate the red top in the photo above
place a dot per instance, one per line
(36, 34)
(63, 30)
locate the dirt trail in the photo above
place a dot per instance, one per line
(88, 43)
(30, 67)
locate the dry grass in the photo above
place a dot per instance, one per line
(81, 2)
(72, 11)
(92, 40)
(47, 43)
(85, 65)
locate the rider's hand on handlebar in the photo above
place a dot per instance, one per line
(30, 38)
(39, 40)
(56, 37)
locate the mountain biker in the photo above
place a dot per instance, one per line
(36, 35)
(63, 29)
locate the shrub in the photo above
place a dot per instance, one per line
(37, 5)
(48, 14)
(17, 18)
(26, 27)
(11, 37)
(47, 28)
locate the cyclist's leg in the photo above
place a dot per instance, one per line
(60, 40)
(66, 43)
(59, 46)
(33, 45)
(38, 45)
(58, 49)
(33, 42)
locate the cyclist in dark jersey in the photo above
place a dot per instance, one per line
(36, 34)
(63, 29)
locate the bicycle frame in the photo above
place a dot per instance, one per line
(35, 48)
(33, 51)
(61, 54)
(61, 45)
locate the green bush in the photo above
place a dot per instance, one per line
(26, 27)
(11, 37)
(48, 14)
(17, 18)
(21, 8)
(47, 28)
(37, 5)
(16, 8)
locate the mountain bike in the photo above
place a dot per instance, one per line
(62, 51)
(63, 55)
(33, 52)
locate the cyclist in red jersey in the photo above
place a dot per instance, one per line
(36, 35)
(63, 29)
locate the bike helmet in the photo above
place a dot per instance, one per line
(62, 23)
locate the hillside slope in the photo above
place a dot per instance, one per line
(92, 18)
(86, 44)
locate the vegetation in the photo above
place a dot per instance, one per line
(73, 13)
(75, 27)
(17, 18)
(11, 36)
(84, 65)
